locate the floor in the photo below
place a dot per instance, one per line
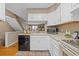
(13, 51)
(33, 53)
(10, 51)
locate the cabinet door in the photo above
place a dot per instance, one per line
(74, 6)
(65, 12)
(34, 43)
(39, 43)
(54, 48)
(75, 11)
(54, 17)
(2, 11)
(44, 42)
(51, 47)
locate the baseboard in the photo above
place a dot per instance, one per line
(11, 44)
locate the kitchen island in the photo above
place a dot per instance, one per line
(55, 43)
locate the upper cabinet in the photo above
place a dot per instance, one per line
(54, 17)
(51, 18)
(2, 11)
(37, 17)
(65, 12)
(74, 6)
(69, 12)
(75, 11)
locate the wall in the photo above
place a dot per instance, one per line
(74, 26)
(4, 27)
(2, 11)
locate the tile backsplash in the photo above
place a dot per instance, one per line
(74, 26)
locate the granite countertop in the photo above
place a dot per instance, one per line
(60, 36)
(23, 34)
(35, 34)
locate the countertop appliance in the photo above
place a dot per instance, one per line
(24, 42)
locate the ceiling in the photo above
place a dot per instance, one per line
(20, 9)
(29, 5)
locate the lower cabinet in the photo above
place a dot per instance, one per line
(69, 50)
(55, 49)
(45, 43)
(39, 42)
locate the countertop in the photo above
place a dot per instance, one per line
(23, 34)
(35, 34)
(58, 37)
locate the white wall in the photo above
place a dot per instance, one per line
(11, 38)
(2, 11)
(4, 27)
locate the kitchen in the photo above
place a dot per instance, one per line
(51, 28)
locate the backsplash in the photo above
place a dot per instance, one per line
(74, 26)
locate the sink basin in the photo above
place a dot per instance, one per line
(67, 36)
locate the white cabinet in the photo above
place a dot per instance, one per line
(75, 11)
(37, 17)
(39, 42)
(51, 47)
(2, 11)
(51, 18)
(54, 17)
(65, 12)
(74, 6)
(69, 12)
(75, 16)
(54, 49)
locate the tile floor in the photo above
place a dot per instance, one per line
(33, 53)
